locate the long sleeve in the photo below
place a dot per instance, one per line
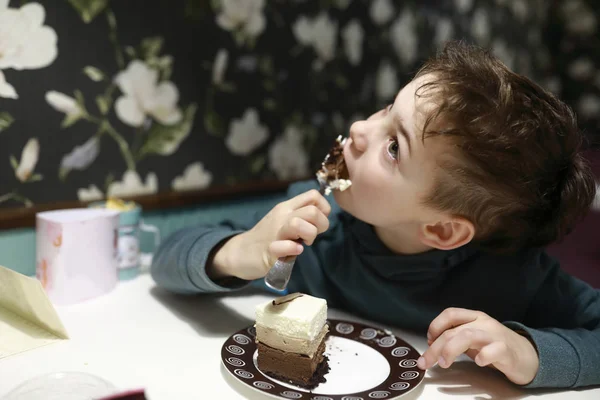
(179, 264)
(564, 324)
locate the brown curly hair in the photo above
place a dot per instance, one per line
(518, 175)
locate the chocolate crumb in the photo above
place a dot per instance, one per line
(286, 299)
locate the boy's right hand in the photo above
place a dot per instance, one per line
(251, 254)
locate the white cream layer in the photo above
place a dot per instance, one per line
(301, 318)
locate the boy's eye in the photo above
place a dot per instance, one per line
(392, 148)
(389, 108)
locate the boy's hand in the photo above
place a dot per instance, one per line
(485, 340)
(251, 254)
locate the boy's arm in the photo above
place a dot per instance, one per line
(179, 264)
(563, 322)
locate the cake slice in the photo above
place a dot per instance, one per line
(333, 170)
(290, 336)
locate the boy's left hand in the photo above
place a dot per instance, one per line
(485, 340)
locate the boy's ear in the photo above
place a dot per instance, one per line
(448, 234)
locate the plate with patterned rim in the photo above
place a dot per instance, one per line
(365, 363)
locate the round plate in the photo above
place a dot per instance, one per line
(67, 385)
(365, 363)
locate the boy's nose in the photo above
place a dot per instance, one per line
(358, 133)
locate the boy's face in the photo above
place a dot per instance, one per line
(390, 167)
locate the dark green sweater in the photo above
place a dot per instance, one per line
(350, 267)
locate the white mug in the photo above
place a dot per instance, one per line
(77, 253)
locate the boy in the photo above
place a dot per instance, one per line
(455, 189)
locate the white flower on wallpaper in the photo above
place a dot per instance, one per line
(144, 96)
(132, 185)
(243, 15)
(320, 33)
(25, 42)
(386, 82)
(29, 159)
(353, 35)
(81, 156)
(382, 11)
(6, 89)
(246, 134)
(91, 193)
(63, 103)
(195, 177)
(219, 66)
(404, 37)
(287, 156)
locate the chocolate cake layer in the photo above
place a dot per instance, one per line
(293, 367)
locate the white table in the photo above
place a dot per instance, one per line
(140, 336)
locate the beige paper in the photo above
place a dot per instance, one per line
(27, 317)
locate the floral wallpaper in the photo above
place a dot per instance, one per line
(120, 98)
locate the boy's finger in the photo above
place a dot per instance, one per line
(297, 228)
(311, 197)
(284, 248)
(313, 215)
(463, 341)
(432, 354)
(449, 318)
(494, 352)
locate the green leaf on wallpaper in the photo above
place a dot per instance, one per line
(150, 47)
(69, 120)
(14, 162)
(89, 9)
(257, 164)
(103, 103)
(165, 139)
(93, 73)
(63, 173)
(213, 123)
(35, 178)
(112, 21)
(131, 52)
(6, 120)
(80, 98)
(164, 65)
(110, 178)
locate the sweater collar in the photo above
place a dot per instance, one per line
(376, 256)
